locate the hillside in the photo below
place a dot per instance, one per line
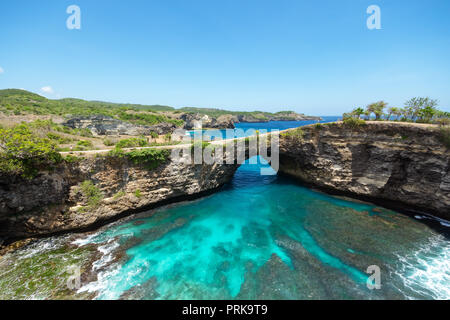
(250, 116)
(21, 102)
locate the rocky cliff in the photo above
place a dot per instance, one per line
(403, 165)
(91, 191)
(396, 164)
(197, 120)
(101, 125)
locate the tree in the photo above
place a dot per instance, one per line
(416, 106)
(377, 108)
(392, 111)
(427, 113)
(358, 112)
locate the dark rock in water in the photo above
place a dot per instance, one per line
(193, 121)
(103, 126)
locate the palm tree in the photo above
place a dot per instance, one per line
(358, 112)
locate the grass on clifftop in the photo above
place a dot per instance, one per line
(354, 123)
(150, 158)
(295, 133)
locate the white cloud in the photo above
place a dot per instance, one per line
(47, 89)
(1, 70)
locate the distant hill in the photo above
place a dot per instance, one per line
(250, 116)
(16, 101)
(22, 102)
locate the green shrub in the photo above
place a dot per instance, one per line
(153, 134)
(58, 138)
(92, 194)
(138, 193)
(151, 158)
(353, 123)
(116, 152)
(85, 143)
(23, 153)
(132, 142)
(147, 118)
(85, 132)
(295, 133)
(108, 142)
(71, 159)
(199, 144)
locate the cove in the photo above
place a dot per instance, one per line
(258, 237)
(267, 237)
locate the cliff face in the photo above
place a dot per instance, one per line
(103, 125)
(392, 163)
(55, 201)
(194, 121)
(400, 164)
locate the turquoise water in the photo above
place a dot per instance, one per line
(244, 129)
(266, 237)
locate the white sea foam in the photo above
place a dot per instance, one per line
(427, 271)
(107, 251)
(84, 241)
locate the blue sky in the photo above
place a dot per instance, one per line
(316, 57)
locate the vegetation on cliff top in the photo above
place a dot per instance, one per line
(418, 109)
(295, 133)
(22, 152)
(151, 158)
